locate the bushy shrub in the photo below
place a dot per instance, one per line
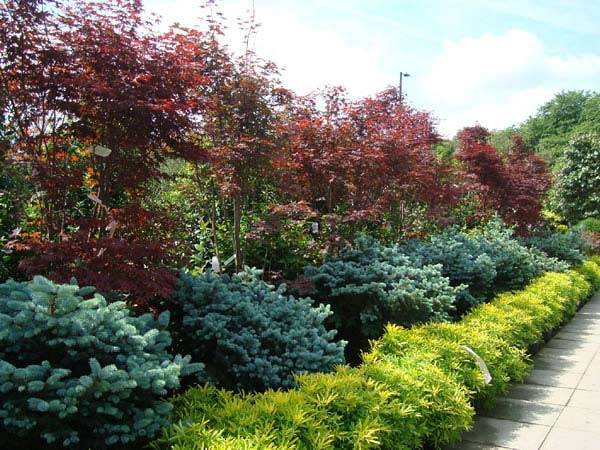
(250, 335)
(590, 229)
(515, 264)
(569, 247)
(463, 259)
(369, 285)
(415, 389)
(590, 224)
(78, 372)
(397, 404)
(487, 262)
(578, 182)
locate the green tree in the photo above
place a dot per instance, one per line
(590, 116)
(577, 194)
(501, 139)
(555, 122)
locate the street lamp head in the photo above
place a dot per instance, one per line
(407, 74)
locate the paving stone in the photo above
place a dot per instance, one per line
(507, 433)
(590, 381)
(587, 319)
(571, 344)
(563, 439)
(525, 411)
(591, 308)
(587, 327)
(540, 394)
(558, 407)
(587, 400)
(476, 446)
(587, 315)
(554, 378)
(561, 365)
(583, 316)
(594, 365)
(567, 354)
(579, 419)
(572, 335)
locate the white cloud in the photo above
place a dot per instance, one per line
(495, 79)
(309, 56)
(312, 57)
(499, 80)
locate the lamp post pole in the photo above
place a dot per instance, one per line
(402, 75)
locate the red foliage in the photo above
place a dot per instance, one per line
(514, 187)
(78, 75)
(593, 240)
(362, 159)
(131, 267)
(81, 74)
(472, 135)
(530, 180)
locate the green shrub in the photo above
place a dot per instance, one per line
(568, 247)
(343, 409)
(415, 387)
(436, 404)
(516, 265)
(578, 181)
(590, 229)
(486, 262)
(370, 285)
(463, 260)
(589, 270)
(590, 224)
(249, 335)
(78, 372)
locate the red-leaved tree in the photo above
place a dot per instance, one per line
(365, 163)
(513, 187)
(97, 100)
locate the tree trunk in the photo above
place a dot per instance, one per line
(237, 247)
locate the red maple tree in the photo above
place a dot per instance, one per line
(514, 186)
(97, 100)
(366, 162)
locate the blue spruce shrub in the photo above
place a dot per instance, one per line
(463, 259)
(516, 265)
(569, 247)
(486, 261)
(248, 334)
(78, 372)
(369, 285)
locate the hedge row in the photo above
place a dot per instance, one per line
(415, 387)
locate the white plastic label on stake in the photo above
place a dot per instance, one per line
(487, 376)
(215, 264)
(229, 260)
(102, 151)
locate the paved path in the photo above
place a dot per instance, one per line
(558, 406)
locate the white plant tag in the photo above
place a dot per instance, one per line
(100, 150)
(487, 376)
(229, 260)
(215, 264)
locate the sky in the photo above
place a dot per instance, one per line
(492, 62)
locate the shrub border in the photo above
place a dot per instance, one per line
(415, 387)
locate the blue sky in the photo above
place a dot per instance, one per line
(487, 61)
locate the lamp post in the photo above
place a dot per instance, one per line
(402, 75)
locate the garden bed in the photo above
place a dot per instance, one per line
(417, 387)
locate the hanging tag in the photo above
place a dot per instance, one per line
(487, 376)
(102, 151)
(229, 260)
(215, 264)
